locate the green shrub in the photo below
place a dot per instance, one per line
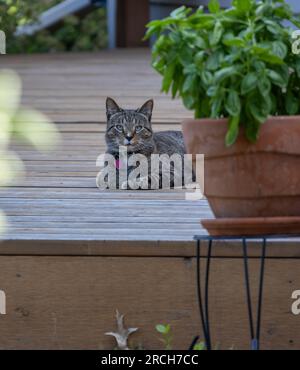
(74, 34)
(236, 63)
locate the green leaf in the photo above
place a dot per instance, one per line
(32, 125)
(175, 88)
(206, 77)
(236, 41)
(213, 62)
(152, 30)
(186, 57)
(259, 66)
(202, 107)
(271, 58)
(10, 92)
(264, 85)
(279, 49)
(297, 66)
(216, 105)
(216, 35)
(168, 77)
(284, 12)
(179, 12)
(295, 21)
(259, 49)
(243, 6)
(212, 91)
(199, 57)
(260, 10)
(214, 6)
(271, 52)
(233, 131)
(249, 83)
(188, 101)
(252, 130)
(276, 78)
(200, 43)
(284, 71)
(190, 69)
(292, 104)
(273, 27)
(188, 83)
(175, 37)
(159, 65)
(224, 73)
(257, 111)
(233, 103)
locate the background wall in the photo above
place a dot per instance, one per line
(162, 8)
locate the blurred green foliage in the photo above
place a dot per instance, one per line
(87, 33)
(22, 124)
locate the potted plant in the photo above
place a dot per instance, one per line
(236, 70)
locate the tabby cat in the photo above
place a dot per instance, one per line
(133, 129)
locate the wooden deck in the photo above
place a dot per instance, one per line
(58, 199)
(64, 261)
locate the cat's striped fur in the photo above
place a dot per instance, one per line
(133, 129)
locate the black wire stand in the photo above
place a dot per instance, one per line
(203, 300)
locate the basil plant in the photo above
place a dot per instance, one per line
(235, 63)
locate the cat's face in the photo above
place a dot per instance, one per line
(129, 128)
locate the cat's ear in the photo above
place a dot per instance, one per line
(147, 109)
(111, 107)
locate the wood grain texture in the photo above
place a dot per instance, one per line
(56, 208)
(73, 254)
(69, 302)
(71, 90)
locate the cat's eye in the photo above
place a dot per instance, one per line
(119, 128)
(139, 128)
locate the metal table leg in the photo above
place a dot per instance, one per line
(203, 302)
(204, 312)
(255, 334)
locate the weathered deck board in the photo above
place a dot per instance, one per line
(73, 88)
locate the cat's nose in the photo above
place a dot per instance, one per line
(128, 139)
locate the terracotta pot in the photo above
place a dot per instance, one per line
(249, 180)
